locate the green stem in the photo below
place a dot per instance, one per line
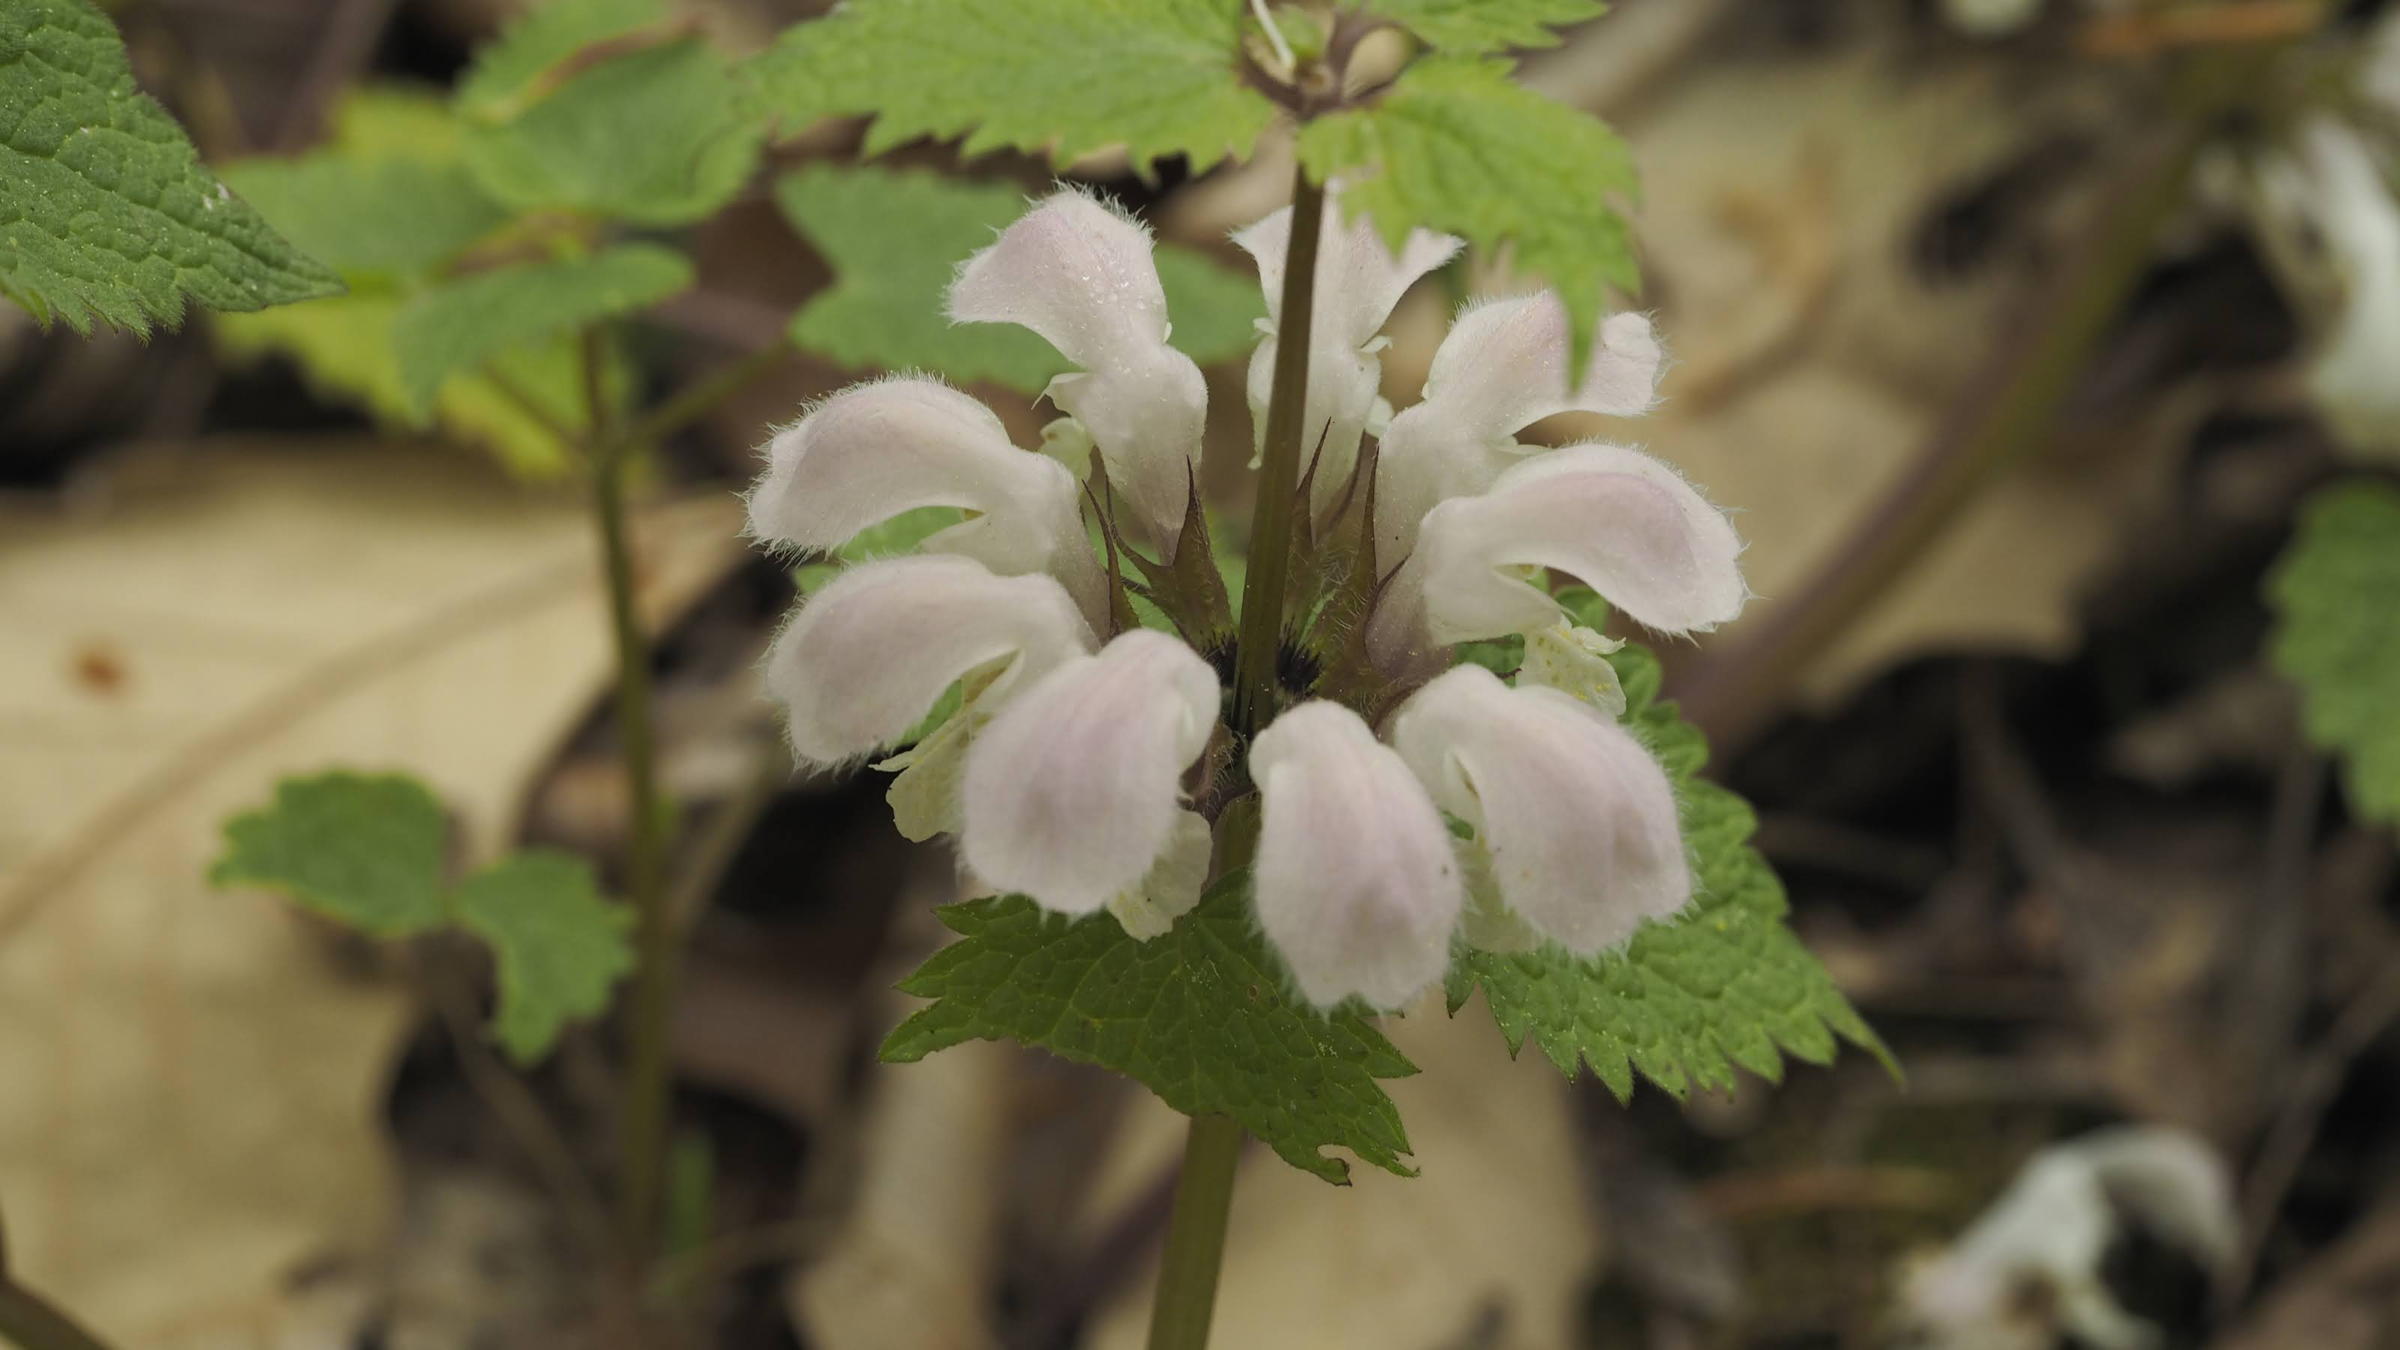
(1187, 1272)
(1195, 1251)
(643, 1130)
(1261, 637)
(703, 395)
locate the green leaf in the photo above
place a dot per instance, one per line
(343, 346)
(2337, 595)
(559, 946)
(390, 120)
(894, 238)
(1457, 146)
(369, 217)
(1069, 77)
(1475, 27)
(1200, 1015)
(365, 850)
(526, 60)
(611, 107)
(106, 213)
(1725, 984)
(463, 325)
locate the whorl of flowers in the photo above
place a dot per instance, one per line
(1406, 801)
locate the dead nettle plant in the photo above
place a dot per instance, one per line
(1236, 785)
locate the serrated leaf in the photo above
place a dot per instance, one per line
(1066, 77)
(343, 348)
(895, 237)
(106, 213)
(1200, 1015)
(1725, 984)
(367, 850)
(369, 217)
(466, 323)
(1475, 27)
(559, 946)
(660, 135)
(2337, 596)
(1457, 146)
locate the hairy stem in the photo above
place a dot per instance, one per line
(1261, 635)
(643, 1129)
(1187, 1273)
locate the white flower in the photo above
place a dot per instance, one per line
(1358, 284)
(1502, 367)
(1075, 789)
(1617, 520)
(867, 658)
(2332, 195)
(1577, 818)
(1355, 880)
(1080, 274)
(876, 450)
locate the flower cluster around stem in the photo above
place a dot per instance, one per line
(1407, 802)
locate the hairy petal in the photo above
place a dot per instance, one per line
(1503, 367)
(1621, 522)
(1356, 882)
(1174, 885)
(869, 655)
(876, 450)
(1359, 281)
(1577, 818)
(1080, 274)
(1075, 788)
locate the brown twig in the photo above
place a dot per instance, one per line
(2240, 21)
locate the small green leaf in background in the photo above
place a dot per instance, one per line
(106, 213)
(1726, 983)
(1458, 146)
(390, 141)
(462, 325)
(370, 217)
(1474, 27)
(1200, 1015)
(895, 237)
(1062, 77)
(369, 851)
(2337, 594)
(653, 127)
(559, 946)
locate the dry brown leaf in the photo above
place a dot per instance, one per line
(188, 1087)
(1491, 1245)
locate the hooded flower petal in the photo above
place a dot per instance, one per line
(1355, 880)
(1075, 789)
(1578, 819)
(876, 450)
(1080, 274)
(1175, 882)
(1621, 522)
(1358, 284)
(1503, 367)
(868, 656)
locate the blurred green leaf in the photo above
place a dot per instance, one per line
(560, 947)
(1061, 77)
(1457, 146)
(462, 325)
(370, 216)
(659, 135)
(2337, 596)
(1474, 27)
(893, 239)
(106, 213)
(526, 60)
(368, 851)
